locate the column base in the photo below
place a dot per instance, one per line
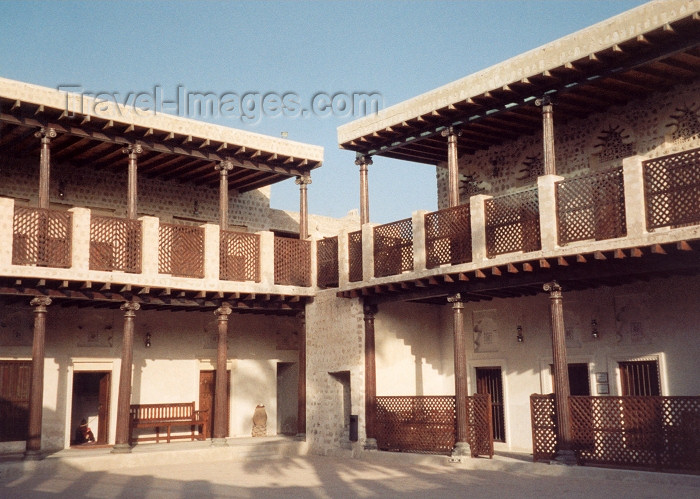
(121, 449)
(33, 455)
(462, 449)
(371, 444)
(566, 457)
(219, 442)
(300, 437)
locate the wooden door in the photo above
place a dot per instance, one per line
(103, 408)
(488, 380)
(641, 411)
(207, 384)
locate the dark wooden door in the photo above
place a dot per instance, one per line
(488, 380)
(207, 384)
(103, 408)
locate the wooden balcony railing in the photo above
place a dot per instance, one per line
(292, 262)
(393, 248)
(239, 256)
(448, 237)
(672, 190)
(181, 250)
(115, 244)
(513, 223)
(327, 262)
(355, 256)
(42, 237)
(591, 207)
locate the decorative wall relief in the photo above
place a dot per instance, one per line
(686, 124)
(17, 329)
(614, 143)
(632, 318)
(287, 338)
(485, 330)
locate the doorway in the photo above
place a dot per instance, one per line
(343, 404)
(489, 380)
(287, 396)
(91, 402)
(207, 398)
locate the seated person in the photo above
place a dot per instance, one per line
(83, 434)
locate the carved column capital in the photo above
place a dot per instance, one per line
(369, 310)
(363, 160)
(223, 311)
(129, 308)
(303, 180)
(456, 300)
(224, 166)
(45, 134)
(41, 302)
(553, 288)
(545, 100)
(451, 131)
(133, 150)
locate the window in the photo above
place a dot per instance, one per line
(640, 378)
(15, 378)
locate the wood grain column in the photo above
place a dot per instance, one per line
(460, 358)
(131, 208)
(452, 165)
(548, 134)
(370, 379)
(363, 162)
(36, 388)
(221, 386)
(223, 168)
(121, 441)
(45, 134)
(301, 384)
(564, 453)
(302, 181)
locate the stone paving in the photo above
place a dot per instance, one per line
(311, 476)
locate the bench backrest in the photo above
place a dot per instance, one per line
(162, 412)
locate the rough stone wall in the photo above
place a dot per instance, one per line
(665, 123)
(334, 344)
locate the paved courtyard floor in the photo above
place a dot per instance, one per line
(311, 476)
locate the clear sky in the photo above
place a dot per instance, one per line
(398, 49)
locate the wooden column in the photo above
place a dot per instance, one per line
(363, 162)
(301, 385)
(548, 134)
(302, 181)
(564, 453)
(460, 357)
(221, 386)
(36, 387)
(452, 165)
(133, 151)
(45, 134)
(370, 379)
(121, 441)
(223, 168)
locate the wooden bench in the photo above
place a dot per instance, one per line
(163, 417)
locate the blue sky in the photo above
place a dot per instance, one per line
(398, 49)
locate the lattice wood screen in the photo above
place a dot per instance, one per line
(239, 255)
(327, 262)
(42, 237)
(672, 189)
(181, 250)
(421, 424)
(544, 427)
(393, 248)
(513, 223)
(591, 207)
(480, 424)
(637, 432)
(292, 262)
(355, 255)
(448, 236)
(115, 244)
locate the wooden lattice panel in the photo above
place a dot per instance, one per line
(327, 262)
(355, 256)
(239, 256)
(42, 237)
(480, 424)
(637, 432)
(181, 250)
(513, 223)
(422, 424)
(544, 427)
(448, 237)
(115, 244)
(393, 248)
(292, 262)
(591, 207)
(672, 189)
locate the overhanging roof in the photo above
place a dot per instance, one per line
(628, 57)
(175, 148)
